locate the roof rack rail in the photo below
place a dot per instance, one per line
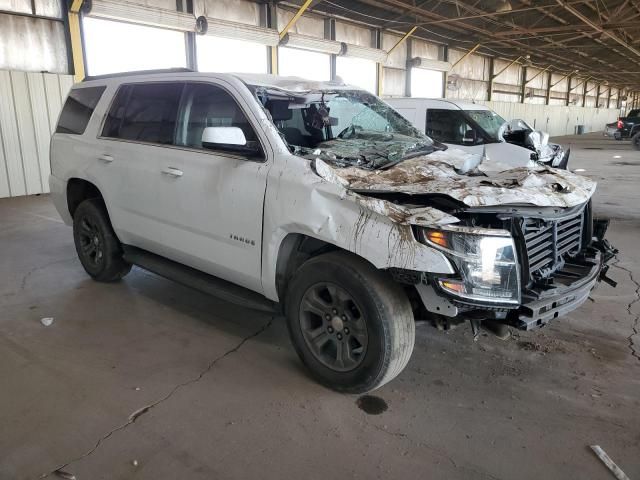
(138, 72)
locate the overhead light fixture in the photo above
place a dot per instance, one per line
(305, 42)
(139, 14)
(427, 63)
(367, 53)
(216, 27)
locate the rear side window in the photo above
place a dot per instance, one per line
(78, 109)
(145, 113)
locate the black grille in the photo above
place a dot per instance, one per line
(549, 242)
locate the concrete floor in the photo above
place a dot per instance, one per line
(146, 379)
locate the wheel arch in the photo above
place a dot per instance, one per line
(294, 250)
(79, 190)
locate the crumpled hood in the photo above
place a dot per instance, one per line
(368, 150)
(451, 173)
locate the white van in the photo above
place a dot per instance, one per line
(478, 129)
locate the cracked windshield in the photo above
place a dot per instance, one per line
(347, 128)
(489, 121)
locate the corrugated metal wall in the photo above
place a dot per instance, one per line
(556, 120)
(29, 106)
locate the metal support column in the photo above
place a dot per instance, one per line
(379, 66)
(445, 58)
(189, 37)
(271, 21)
(407, 73)
(548, 96)
(75, 36)
(492, 66)
(523, 90)
(330, 34)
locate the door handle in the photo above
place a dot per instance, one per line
(106, 158)
(174, 172)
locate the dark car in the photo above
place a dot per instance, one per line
(626, 127)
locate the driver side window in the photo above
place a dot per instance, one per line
(450, 126)
(205, 105)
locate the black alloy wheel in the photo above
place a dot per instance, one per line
(333, 326)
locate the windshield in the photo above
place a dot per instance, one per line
(317, 117)
(346, 128)
(488, 121)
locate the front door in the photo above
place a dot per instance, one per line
(199, 206)
(212, 198)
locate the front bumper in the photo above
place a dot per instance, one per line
(558, 301)
(568, 289)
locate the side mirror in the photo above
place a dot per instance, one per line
(469, 137)
(229, 139)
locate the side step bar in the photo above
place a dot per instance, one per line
(198, 280)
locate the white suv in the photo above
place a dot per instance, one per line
(321, 200)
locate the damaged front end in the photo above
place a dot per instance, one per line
(523, 243)
(518, 132)
(537, 265)
(517, 241)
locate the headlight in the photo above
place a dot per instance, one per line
(486, 262)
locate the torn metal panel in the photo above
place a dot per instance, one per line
(421, 216)
(376, 230)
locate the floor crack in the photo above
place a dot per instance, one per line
(59, 471)
(26, 277)
(436, 450)
(636, 318)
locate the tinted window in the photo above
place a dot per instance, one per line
(145, 112)
(447, 126)
(209, 106)
(78, 109)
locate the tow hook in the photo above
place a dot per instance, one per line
(608, 251)
(605, 279)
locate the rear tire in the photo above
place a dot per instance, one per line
(635, 141)
(98, 248)
(351, 324)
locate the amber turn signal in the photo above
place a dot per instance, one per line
(438, 237)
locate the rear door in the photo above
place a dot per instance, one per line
(134, 142)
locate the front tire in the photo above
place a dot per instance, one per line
(98, 248)
(351, 324)
(635, 141)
